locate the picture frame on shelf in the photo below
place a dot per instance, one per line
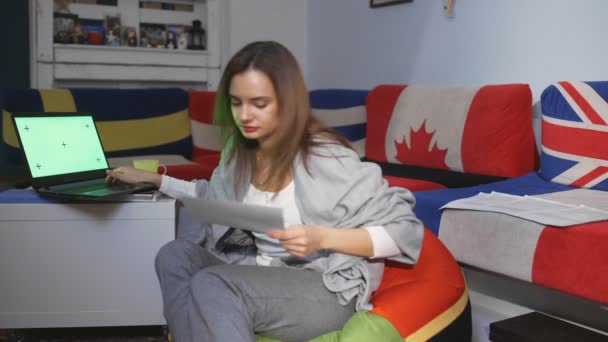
(107, 2)
(113, 30)
(183, 7)
(182, 40)
(63, 27)
(93, 30)
(152, 35)
(151, 5)
(129, 36)
(78, 35)
(384, 3)
(174, 32)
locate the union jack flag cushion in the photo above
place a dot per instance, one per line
(575, 134)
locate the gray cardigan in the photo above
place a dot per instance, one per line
(340, 191)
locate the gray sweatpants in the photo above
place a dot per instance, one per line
(206, 299)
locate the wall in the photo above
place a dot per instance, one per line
(537, 42)
(282, 20)
(15, 60)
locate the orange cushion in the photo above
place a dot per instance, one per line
(422, 299)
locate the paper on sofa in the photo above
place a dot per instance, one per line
(547, 212)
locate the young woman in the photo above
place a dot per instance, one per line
(341, 218)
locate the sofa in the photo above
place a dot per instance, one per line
(490, 126)
(170, 124)
(175, 127)
(561, 271)
(444, 143)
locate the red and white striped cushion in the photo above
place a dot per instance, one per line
(205, 136)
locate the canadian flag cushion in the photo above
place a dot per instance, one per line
(485, 130)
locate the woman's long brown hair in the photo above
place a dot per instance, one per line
(298, 131)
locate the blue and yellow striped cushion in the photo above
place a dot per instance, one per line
(130, 121)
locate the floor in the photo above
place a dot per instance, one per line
(485, 310)
(117, 334)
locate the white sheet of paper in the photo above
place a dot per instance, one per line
(255, 218)
(543, 211)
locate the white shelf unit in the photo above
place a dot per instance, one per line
(71, 65)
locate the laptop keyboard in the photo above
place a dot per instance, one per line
(87, 189)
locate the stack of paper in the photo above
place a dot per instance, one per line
(550, 213)
(256, 218)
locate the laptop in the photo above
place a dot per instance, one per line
(65, 156)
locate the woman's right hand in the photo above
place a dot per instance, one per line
(127, 174)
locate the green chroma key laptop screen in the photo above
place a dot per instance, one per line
(59, 145)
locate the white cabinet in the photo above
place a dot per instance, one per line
(82, 265)
(71, 65)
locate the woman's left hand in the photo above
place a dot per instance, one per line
(300, 240)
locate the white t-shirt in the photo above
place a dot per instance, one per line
(269, 248)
